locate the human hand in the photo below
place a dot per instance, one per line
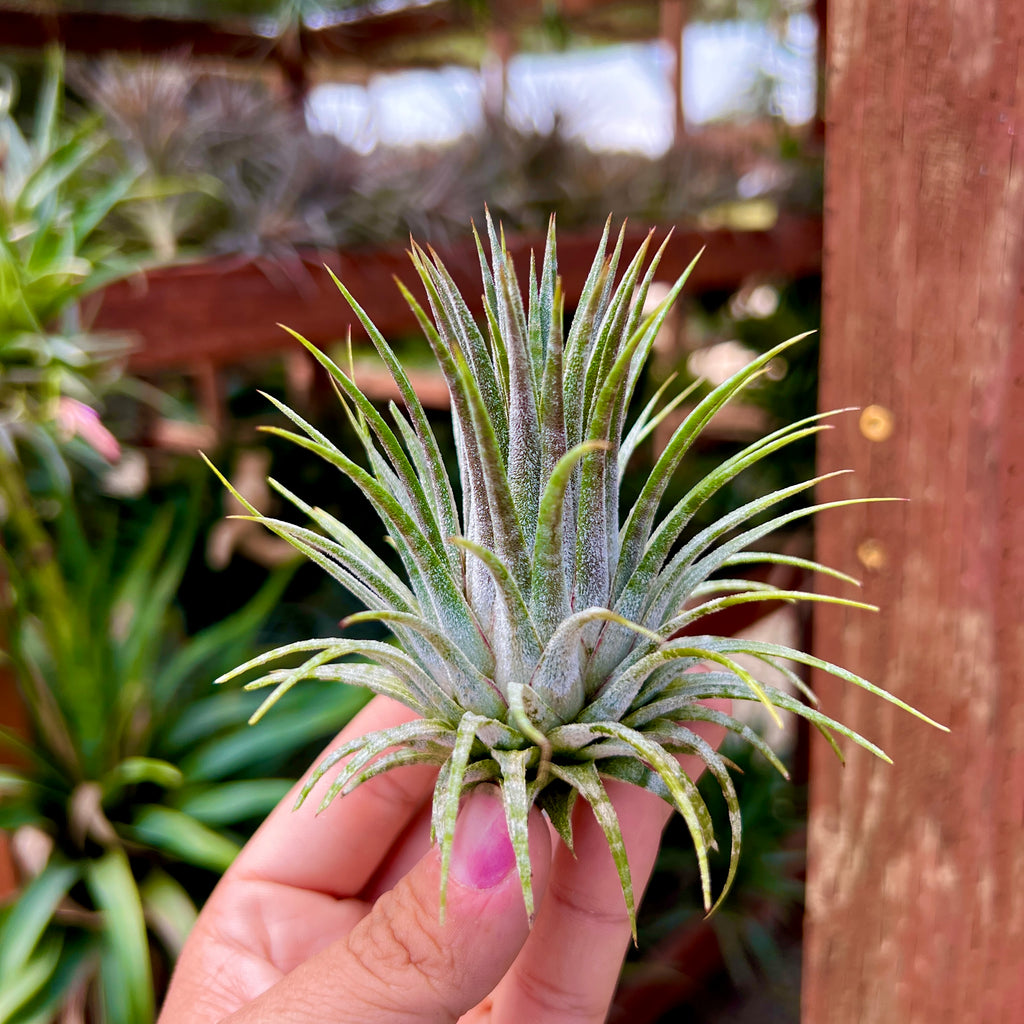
(335, 918)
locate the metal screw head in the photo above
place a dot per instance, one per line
(876, 423)
(872, 554)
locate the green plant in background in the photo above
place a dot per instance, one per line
(536, 632)
(768, 888)
(116, 806)
(51, 255)
(225, 165)
(132, 794)
(53, 372)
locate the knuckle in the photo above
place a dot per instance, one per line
(400, 949)
(589, 910)
(401, 788)
(554, 993)
(552, 1000)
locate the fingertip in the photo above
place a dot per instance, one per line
(430, 964)
(483, 853)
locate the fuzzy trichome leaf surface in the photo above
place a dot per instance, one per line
(537, 623)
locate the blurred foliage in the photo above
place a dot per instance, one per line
(51, 254)
(137, 785)
(118, 802)
(735, 321)
(229, 166)
(753, 929)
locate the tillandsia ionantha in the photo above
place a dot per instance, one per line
(537, 630)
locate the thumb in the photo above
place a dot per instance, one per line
(400, 963)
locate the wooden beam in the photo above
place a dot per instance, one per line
(915, 902)
(97, 32)
(226, 310)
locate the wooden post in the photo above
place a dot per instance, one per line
(915, 905)
(672, 17)
(494, 73)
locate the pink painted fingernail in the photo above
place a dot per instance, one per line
(482, 854)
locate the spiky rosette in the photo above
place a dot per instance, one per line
(536, 630)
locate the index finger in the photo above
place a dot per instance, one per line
(337, 851)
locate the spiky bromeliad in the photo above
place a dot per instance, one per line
(535, 631)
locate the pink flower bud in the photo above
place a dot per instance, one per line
(77, 418)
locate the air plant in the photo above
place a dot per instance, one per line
(537, 626)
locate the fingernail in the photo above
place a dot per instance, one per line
(482, 854)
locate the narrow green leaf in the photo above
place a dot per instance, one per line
(513, 764)
(416, 497)
(519, 635)
(679, 740)
(168, 909)
(675, 581)
(446, 802)
(686, 710)
(505, 505)
(294, 676)
(587, 316)
(127, 979)
(551, 414)
(775, 558)
(638, 524)
(427, 566)
(710, 607)
(395, 759)
(684, 794)
(466, 680)
(672, 526)
(648, 421)
(738, 646)
(584, 778)
(377, 680)
(557, 800)
(611, 336)
(616, 696)
(176, 833)
(681, 577)
(414, 733)
(472, 345)
(524, 446)
(549, 594)
(709, 653)
(439, 483)
(697, 690)
(32, 914)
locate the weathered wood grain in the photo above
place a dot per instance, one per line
(916, 872)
